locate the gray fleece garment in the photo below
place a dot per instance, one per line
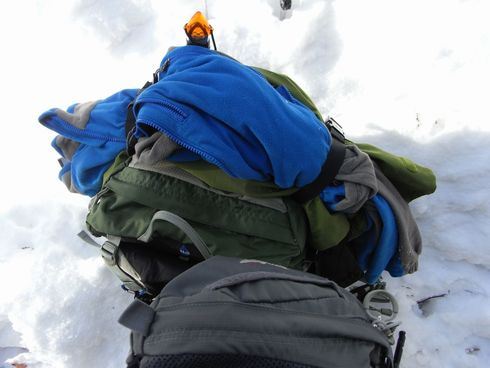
(357, 174)
(362, 180)
(79, 119)
(157, 147)
(409, 238)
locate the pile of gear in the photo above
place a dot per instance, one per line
(214, 164)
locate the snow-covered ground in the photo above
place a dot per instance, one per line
(411, 77)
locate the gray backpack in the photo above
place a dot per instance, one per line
(228, 312)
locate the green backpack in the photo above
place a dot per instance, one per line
(175, 214)
(161, 220)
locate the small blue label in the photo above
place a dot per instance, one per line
(184, 251)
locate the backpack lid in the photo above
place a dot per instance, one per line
(232, 306)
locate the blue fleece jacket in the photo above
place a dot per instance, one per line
(90, 137)
(380, 251)
(230, 116)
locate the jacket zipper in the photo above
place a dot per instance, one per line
(180, 142)
(174, 110)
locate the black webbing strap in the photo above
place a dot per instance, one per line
(130, 124)
(330, 169)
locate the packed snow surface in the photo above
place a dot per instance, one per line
(410, 77)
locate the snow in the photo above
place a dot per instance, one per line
(410, 77)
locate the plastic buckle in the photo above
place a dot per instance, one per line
(107, 251)
(131, 141)
(335, 129)
(164, 67)
(382, 308)
(144, 295)
(380, 305)
(360, 289)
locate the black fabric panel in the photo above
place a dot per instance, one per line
(338, 264)
(156, 267)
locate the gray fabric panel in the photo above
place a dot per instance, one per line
(215, 268)
(218, 267)
(409, 238)
(80, 116)
(228, 272)
(66, 179)
(238, 328)
(321, 352)
(137, 317)
(281, 295)
(157, 147)
(324, 330)
(67, 146)
(240, 278)
(136, 341)
(357, 173)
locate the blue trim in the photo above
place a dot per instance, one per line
(332, 195)
(66, 167)
(57, 149)
(50, 120)
(378, 252)
(386, 246)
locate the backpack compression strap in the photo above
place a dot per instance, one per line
(330, 167)
(130, 124)
(117, 263)
(183, 225)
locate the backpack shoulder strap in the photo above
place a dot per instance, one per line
(330, 167)
(130, 124)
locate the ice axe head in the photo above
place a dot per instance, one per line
(198, 30)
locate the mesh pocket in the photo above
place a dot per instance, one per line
(216, 361)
